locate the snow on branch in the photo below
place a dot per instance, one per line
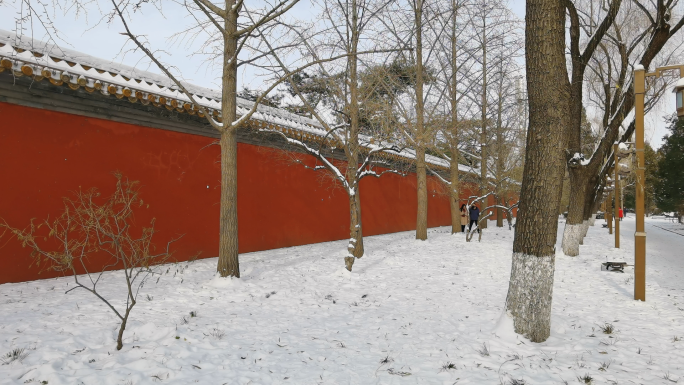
(318, 155)
(433, 172)
(474, 198)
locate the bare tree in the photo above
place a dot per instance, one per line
(452, 58)
(240, 30)
(420, 134)
(353, 111)
(494, 32)
(531, 284)
(618, 39)
(87, 228)
(507, 154)
(414, 24)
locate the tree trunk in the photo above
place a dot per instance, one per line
(228, 263)
(530, 289)
(530, 293)
(453, 95)
(122, 327)
(454, 198)
(499, 213)
(484, 188)
(500, 166)
(355, 247)
(421, 220)
(588, 209)
(572, 234)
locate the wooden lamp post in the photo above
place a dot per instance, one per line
(609, 203)
(640, 234)
(618, 203)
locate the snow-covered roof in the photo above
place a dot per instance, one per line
(60, 66)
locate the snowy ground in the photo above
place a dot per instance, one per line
(411, 313)
(664, 252)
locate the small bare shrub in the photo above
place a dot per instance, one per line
(386, 360)
(668, 377)
(607, 328)
(484, 351)
(605, 365)
(217, 334)
(91, 226)
(14, 355)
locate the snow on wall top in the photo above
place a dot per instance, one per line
(61, 66)
(78, 64)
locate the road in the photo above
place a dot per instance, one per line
(664, 251)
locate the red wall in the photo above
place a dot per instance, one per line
(45, 155)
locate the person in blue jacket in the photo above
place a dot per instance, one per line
(474, 216)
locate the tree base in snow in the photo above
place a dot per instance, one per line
(585, 229)
(349, 262)
(572, 234)
(530, 292)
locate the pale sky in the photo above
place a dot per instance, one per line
(87, 34)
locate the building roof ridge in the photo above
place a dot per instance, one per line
(42, 60)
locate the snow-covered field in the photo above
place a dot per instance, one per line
(412, 312)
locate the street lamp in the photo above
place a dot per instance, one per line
(616, 176)
(609, 202)
(640, 234)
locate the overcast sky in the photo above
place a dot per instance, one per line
(86, 33)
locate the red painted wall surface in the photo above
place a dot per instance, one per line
(46, 155)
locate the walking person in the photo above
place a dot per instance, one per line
(621, 214)
(474, 216)
(464, 217)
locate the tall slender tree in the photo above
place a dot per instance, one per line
(352, 95)
(232, 29)
(530, 289)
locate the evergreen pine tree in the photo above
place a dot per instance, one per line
(669, 188)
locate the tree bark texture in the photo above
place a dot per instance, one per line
(531, 284)
(454, 198)
(499, 157)
(484, 188)
(453, 143)
(122, 327)
(355, 247)
(228, 263)
(421, 220)
(573, 224)
(529, 295)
